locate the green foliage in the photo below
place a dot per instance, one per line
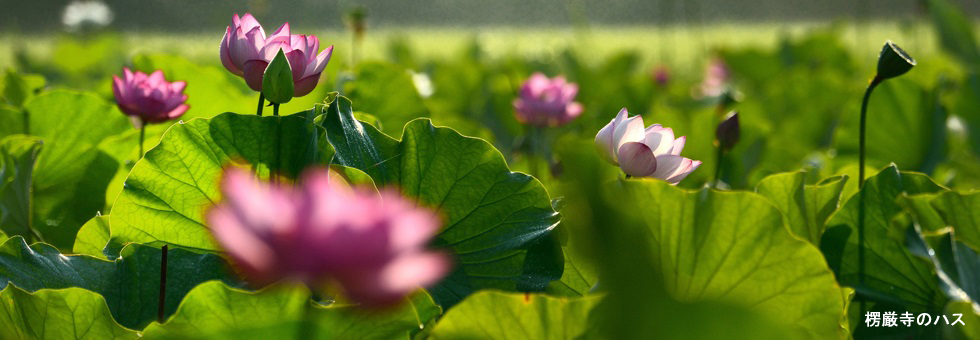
(734, 247)
(387, 92)
(18, 88)
(214, 310)
(522, 316)
(906, 126)
(71, 173)
(93, 237)
(955, 32)
(130, 284)
(498, 223)
(806, 208)
(894, 278)
(169, 190)
(71, 313)
(17, 157)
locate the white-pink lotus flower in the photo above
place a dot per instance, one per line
(639, 152)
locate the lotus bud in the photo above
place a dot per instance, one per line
(728, 131)
(277, 82)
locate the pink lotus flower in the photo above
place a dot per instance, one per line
(246, 52)
(149, 99)
(547, 102)
(716, 76)
(639, 152)
(372, 245)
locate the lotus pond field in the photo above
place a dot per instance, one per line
(263, 180)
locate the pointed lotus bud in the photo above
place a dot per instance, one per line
(893, 61)
(728, 131)
(277, 82)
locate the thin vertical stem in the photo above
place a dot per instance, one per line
(718, 164)
(864, 118)
(261, 102)
(27, 122)
(142, 135)
(278, 169)
(861, 207)
(163, 283)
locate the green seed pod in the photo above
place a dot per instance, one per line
(893, 61)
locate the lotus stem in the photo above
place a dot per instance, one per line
(863, 127)
(142, 135)
(861, 207)
(275, 113)
(718, 164)
(261, 102)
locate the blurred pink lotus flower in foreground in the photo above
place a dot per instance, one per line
(325, 231)
(547, 102)
(716, 76)
(149, 98)
(246, 52)
(650, 152)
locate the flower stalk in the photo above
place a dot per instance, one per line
(258, 111)
(892, 62)
(142, 135)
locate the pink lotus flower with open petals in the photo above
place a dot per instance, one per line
(246, 52)
(547, 102)
(149, 98)
(639, 152)
(372, 245)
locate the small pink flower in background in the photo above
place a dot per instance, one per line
(547, 102)
(246, 52)
(373, 245)
(716, 77)
(639, 152)
(149, 98)
(661, 75)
